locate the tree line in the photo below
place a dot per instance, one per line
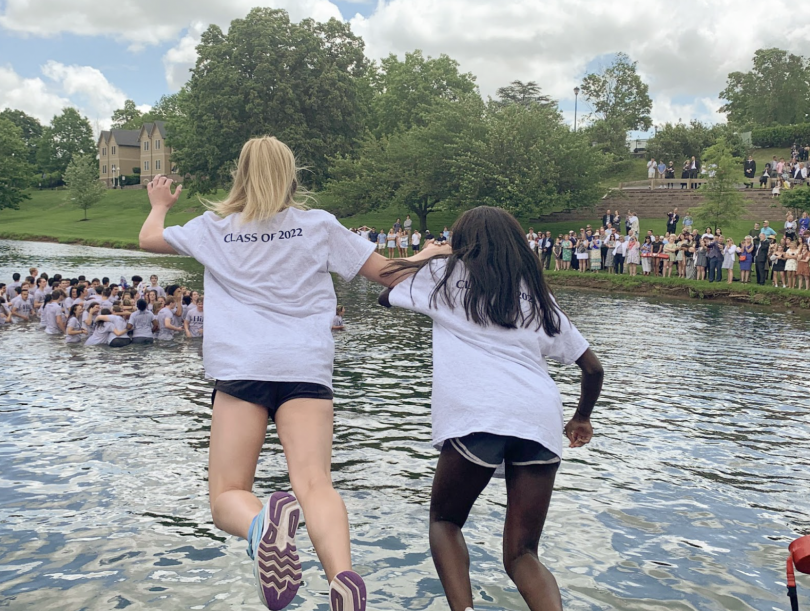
(412, 131)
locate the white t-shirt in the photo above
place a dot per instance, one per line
(100, 334)
(490, 379)
(166, 314)
(158, 289)
(269, 297)
(75, 324)
(141, 323)
(23, 307)
(49, 315)
(195, 320)
(415, 238)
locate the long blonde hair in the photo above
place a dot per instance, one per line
(264, 183)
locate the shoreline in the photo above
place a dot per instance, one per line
(30, 237)
(774, 299)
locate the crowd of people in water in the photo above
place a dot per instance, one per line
(782, 258)
(99, 312)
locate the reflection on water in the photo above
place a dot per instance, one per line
(694, 484)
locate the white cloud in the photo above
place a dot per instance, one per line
(688, 50)
(181, 58)
(31, 95)
(140, 22)
(684, 51)
(82, 87)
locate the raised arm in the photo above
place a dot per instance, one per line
(162, 199)
(579, 430)
(376, 264)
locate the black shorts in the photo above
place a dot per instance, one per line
(489, 450)
(271, 395)
(416, 247)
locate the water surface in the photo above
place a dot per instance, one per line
(695, 482)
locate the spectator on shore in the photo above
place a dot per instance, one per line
(672, 220)
(767, 229)
(693, 170)
(714, 257)
(618, 255)
(766, 177)
(662, 168)
(804, 224)
(778, 262)
(803, 267)
(729, 258)
(791, 227)
(408, 224)
(685, 174)
(669, 174)
(607, 219)
(761, 258)
(746, 258)
(750, 168)
(652, 166)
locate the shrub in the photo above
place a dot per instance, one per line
(781, 136)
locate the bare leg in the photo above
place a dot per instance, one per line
(528, 494)
(456, 486)
(305, 430)
(238, 429)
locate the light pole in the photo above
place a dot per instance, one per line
(576, 99)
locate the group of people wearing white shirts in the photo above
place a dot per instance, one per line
(102, 313)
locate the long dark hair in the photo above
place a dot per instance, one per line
(501, 270)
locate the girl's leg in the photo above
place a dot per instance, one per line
(305, 429)
(528, 494)
(456, 486)
(238, 429)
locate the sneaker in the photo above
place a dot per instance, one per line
(347, 592)
(272, 546)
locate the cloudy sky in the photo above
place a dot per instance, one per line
(93, 54)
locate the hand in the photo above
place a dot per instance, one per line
(438, 249)
(160, 192)
(579, 431)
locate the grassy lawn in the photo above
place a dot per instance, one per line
(117, 219)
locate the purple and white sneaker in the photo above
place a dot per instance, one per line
(347, 592)
(275, 559)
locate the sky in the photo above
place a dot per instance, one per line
(94, 54)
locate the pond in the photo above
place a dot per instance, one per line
(686, 499)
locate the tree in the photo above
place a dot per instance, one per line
(525, 94)
(416, 168)
(530, 163)
(797, 200)
(128, 117)
(15, 170)
(68, 135)
(30, 128)
(620, 101)
(723, 201)
(408, 90)
(303, 83)
(84, 188)
(678, 142)
(776, 91)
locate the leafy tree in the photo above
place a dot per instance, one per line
(408, 90)
(30, 128)
(15, 170)
(68, 135)
(128, 117)
(525, 94)
(166, 108)
(776, 91)
(619, 96)
(303, 83)
(84, 188)
(797, 200)
(530, 163)
(723, 201)
(678, 142)
(416, 169)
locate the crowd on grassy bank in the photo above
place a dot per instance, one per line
(99, 312)
(781, 258)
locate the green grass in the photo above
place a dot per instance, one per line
(117, 219)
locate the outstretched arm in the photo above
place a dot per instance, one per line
(579, 430)
(376, 264)
(162, 199)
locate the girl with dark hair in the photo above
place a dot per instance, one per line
(494, 324)
(110, 328)
(143, 323)
(74, 329)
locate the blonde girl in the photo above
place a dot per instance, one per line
(671, 250)
(392, 242)
(791, 263)
(269, 292)
(729, 258)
